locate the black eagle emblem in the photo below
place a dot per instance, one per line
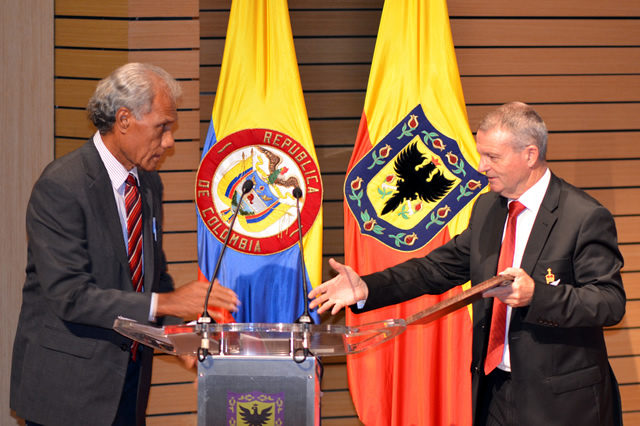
(417, 177)
(254, 418)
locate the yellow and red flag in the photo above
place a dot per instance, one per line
(260, 131)
(410, 187)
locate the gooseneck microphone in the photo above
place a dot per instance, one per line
(205, 318)
(305, 318)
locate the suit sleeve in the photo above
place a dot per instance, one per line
(591, 294)
(77, 277)
(443, 269)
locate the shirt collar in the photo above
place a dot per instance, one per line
(117, 172)
(532, 197)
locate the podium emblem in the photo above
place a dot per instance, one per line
(255, 409)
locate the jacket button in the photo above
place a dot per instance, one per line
(124, 347)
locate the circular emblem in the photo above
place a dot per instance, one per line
(267, 219)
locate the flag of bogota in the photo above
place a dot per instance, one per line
(410, 187)
(259, 131)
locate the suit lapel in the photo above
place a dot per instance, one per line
(542, 226)
(101, 194)
(148, 238)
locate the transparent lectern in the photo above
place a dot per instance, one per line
(260, 372)
(269, 372)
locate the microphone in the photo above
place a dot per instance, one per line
(205, 318)
(305, 318)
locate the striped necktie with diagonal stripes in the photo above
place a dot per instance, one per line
(133, 206)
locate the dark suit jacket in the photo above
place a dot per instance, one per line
(68, 364)
(560, 371)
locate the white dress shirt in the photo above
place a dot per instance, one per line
(531, 199)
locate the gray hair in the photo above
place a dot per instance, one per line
(522, 122)
(132, 86)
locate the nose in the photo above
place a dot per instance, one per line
(167, 140)
(482, 166)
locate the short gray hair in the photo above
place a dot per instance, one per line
(132, 86)
(522, 122)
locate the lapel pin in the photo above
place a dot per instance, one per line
(550, 277)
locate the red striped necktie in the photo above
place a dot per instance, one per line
(499, 316)
(133, 206)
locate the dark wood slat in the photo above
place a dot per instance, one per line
(127, 8)
(628, 229)
(306, 23)
(548, 60)
(575, 117)
(626, 369)
(333, 241)
(600, 145)
(631, 282)
(182, 247)
(89, 63)
(630, 396)
(173, 399)
(598, 174)
(75, 93)
(631, 255)
(622, 342)
(544, 32)
(183, 273)
(73, 123)
(544, 8)
(169, 369)
(552, 89)
(304, 4)
(471, 61)
(179, 217)
(619, 201)
(175, 184)
(124, 34)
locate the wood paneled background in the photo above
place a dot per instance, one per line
(576, 61)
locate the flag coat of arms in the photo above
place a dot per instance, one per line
(410, 186)
(259, 131)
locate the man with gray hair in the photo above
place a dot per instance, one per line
(538, 352)
(94, 227)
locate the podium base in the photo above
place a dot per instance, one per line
(235, 390)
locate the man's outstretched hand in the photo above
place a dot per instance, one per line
(342, 290)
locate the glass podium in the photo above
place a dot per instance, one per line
(271, 373)
(256, 371)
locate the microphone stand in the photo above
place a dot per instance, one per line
(305, 318)
(205, 318)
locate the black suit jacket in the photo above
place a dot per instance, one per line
(560, 371)
(68, 364)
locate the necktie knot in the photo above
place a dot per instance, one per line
(515, 208)
(131, 180)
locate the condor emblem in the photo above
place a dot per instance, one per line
(276, 163)
(255, 409)
(411, 184)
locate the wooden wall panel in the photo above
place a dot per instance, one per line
(128, 8)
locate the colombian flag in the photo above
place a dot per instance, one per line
(259, 131)
(414, 123)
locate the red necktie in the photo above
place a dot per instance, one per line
(134, 232)
(499, 316)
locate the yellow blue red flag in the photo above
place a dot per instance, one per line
(410, 186)
(259, 131)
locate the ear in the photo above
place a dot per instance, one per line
(531, 153)
(123, 119)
